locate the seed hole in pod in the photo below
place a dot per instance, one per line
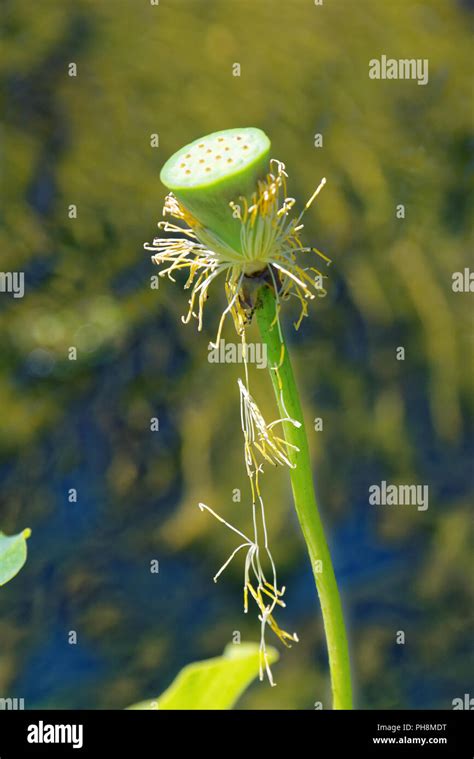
(201, 145)
(226, 148)
(208, 168)
(245, 147)
(188, 171)
(220, 139)
(201, 160)
(218, 157)
(229, 160)
(209, 150)
(182, 165)
(188, 155)
(238, 137)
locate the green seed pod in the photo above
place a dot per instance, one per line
(212, 171)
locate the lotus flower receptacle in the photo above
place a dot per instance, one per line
(210, 172)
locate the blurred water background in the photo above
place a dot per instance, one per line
(85, 424)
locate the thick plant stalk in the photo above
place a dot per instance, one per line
(305, 499)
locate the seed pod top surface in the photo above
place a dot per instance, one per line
(213, 170)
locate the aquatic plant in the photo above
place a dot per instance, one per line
(239, 223)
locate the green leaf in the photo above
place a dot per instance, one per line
(214, 683)
(12, 554)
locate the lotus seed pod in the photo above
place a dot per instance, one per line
(212, 171)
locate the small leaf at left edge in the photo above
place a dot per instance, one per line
(13, 554)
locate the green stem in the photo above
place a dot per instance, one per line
(305, 500)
